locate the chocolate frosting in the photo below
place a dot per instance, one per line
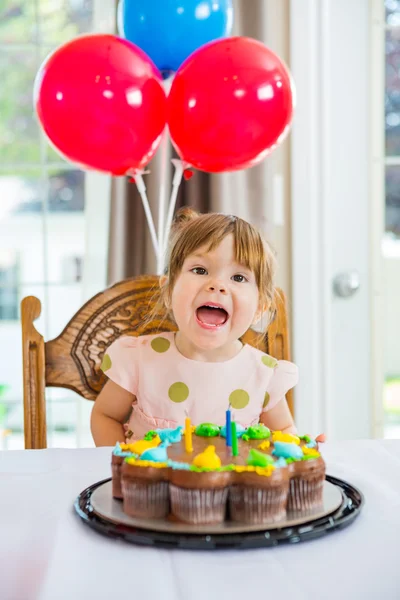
(308, 469)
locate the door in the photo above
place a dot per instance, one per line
(335, 248)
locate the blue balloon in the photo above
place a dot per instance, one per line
(170, 30)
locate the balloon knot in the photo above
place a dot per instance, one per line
(188, 174)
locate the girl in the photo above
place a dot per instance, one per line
(218, 283)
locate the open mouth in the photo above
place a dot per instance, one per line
(211, 315)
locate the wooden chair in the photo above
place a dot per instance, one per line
(73, 359)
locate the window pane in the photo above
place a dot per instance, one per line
(17, 22)
(393, 200)
(66, 230)
(392, 93)
(21, 222)
(25, 193)
(61, 418)
(9, 286)
(19, 131)
(62, 20)
(66, 191)
(64, 302)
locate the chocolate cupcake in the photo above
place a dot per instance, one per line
(199, 492)
(120, 452)
(307, 469)
(259, 491)
(307, 485)
(145, 488)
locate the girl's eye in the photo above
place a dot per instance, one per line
(199, 271)
(239, 278)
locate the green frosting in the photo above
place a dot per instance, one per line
(208, 470)
(150, 435)
(291, 460)
(305, 438)
(257, 432)
(207, 430)
(259, 459)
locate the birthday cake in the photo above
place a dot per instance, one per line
(199, 475)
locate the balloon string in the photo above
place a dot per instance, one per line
(176, 182)
(142, 191)
(162, 199)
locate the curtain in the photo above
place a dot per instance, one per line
(259, 195)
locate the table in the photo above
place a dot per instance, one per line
(47, 553)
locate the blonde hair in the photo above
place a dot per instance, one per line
(191, 230)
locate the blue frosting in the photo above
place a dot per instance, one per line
(123, 453)
(239, 430)
(170, 435)
(311, 444)
(178, 466)
(281, 462)
(285, 450)
(158, 454)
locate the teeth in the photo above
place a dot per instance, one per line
(213, 306)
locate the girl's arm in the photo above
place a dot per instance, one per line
(110, 411)
(279, 418)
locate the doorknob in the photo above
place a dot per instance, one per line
(346, 284)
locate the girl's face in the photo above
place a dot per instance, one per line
(214, 300)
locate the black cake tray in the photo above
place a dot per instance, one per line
(344, 515)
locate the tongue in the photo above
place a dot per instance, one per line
(211, 316)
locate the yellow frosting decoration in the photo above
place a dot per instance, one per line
(264, 445)
(265, 471)
(145, 463)
(142, 445)
(208, 459)
(310, 452)
(126, 447)
(289, 438)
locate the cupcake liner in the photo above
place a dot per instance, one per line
(305, 494)
(198, 506)
(257, 505)
(147, 500)
(116, 481)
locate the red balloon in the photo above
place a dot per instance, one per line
(231, 104)
(101, 103)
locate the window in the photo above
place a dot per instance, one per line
(390, 36)
(53, 216)
(9, 298)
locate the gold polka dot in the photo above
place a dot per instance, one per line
(269, 361)
(266, 399)
(106, 364)
(239, 399)
(178, 392)
(160, 344)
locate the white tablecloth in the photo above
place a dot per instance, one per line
(47, 553)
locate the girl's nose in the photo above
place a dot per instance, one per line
(217, 286)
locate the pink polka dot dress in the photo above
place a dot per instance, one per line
(168, 386)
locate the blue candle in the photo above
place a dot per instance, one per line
(228, 428)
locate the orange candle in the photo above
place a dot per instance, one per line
(188, 435)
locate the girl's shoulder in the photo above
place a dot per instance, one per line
(262, 359)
